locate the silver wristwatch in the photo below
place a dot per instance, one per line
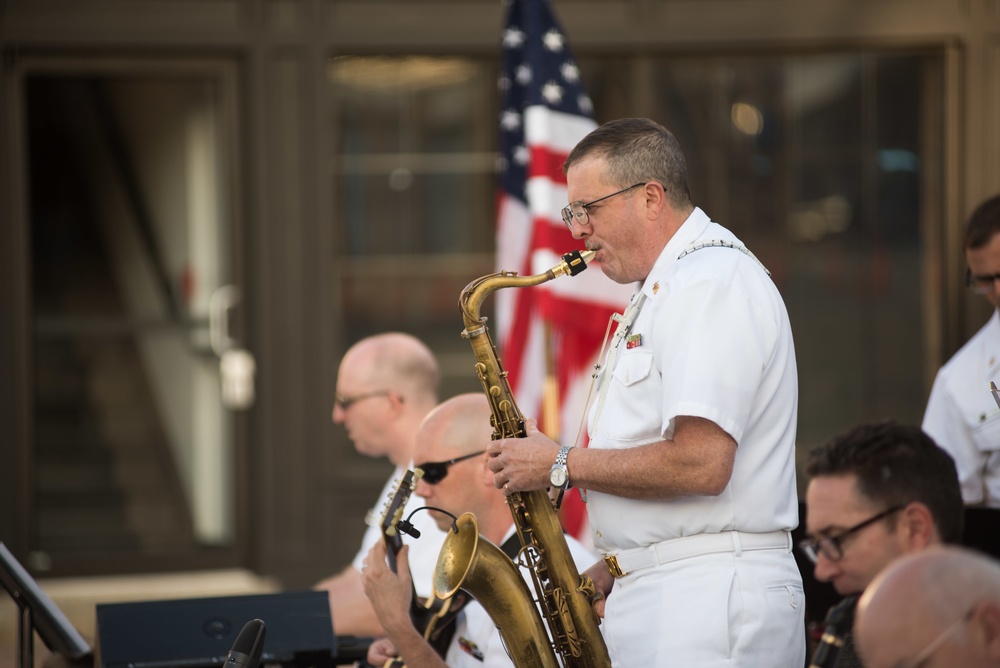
(559, 474)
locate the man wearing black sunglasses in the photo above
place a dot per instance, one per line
(961, 416)
(876, 492)
(386, 385)
(450, 452)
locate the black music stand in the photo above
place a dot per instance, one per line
(38, 613)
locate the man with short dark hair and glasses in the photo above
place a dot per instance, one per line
(936, 609)
(876, 492)
(386, 384)
(961, 415)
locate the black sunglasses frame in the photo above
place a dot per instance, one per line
(435, 472)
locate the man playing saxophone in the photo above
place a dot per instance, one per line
(690, 472)
(451, 453)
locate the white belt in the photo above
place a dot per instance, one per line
(629, 561)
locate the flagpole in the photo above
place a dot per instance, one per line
(550, 392)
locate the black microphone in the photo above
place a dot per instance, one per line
(408, 529)
(248, 646)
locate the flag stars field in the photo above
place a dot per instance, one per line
(523, 75)
(570, 72)
(552, 92)
(510, 120)
(553, 41)
(513, 38)
(522, 155)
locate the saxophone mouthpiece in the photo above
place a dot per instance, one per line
(574, 262)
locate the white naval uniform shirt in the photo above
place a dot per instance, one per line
(424, 551)
(477, 642)
(962, 417)
(715, 343)
(712, 340)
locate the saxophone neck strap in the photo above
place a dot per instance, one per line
(512, 546)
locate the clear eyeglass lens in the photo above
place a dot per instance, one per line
(982, 287)
(575, 212)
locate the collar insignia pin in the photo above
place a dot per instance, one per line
(656, 287)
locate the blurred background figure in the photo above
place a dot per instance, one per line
(961, 414)
(936, 609)
(386, 385)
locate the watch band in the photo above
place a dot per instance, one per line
(560, 463)
(563, 453)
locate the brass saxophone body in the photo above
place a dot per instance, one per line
(470, 562)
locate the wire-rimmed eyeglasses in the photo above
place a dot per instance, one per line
(577, 211)
(435, 472)
(345, 401)
(981, 285)
(832, 547)
(933, 646)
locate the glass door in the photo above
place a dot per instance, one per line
(137, 370)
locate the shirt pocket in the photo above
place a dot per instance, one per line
(633, 410)
(986, 435)
(633, 368)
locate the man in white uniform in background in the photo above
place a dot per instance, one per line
(961, 414)
(690, 472)
(386, 385)
(451, 451)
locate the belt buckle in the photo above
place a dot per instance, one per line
(616, 570)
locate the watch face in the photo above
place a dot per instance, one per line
(557, 476)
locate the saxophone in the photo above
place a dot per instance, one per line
(470, 562)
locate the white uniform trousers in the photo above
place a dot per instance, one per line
(724, 610)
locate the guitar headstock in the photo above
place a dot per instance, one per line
(392, 513)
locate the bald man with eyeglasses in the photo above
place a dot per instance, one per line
(876, 492)
(961, 414)
(936, 609)
(386, 385)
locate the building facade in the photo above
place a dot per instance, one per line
(204, 203)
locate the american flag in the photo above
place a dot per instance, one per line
(558, 326)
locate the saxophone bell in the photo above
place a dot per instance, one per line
(470, 562)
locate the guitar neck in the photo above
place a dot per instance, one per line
(393, 544)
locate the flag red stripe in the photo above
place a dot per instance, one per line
(547, 163)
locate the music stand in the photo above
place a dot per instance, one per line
(38, 613)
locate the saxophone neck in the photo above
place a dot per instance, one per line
(472, 296)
